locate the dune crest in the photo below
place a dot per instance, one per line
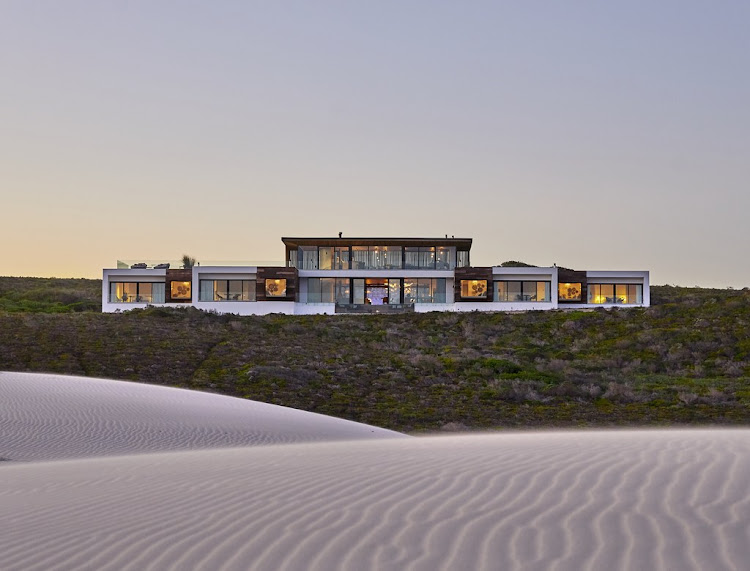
(47, 417)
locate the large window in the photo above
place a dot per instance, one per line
(474, 289)
(320, 258)
(360, 257)
(341, 258)
(444, 259)
(276, 287)
(385, 257)
(522, 291)
(325, 258)
(308, 257)
(136, 292)
(462, 258)
(328, 290)
(419, 258)
(569, 291)
(181, 290)
(227, 290)
(424, 290)
(376, 257)
(342, 290)
(358, 290)
(616, 293)
(394, 291)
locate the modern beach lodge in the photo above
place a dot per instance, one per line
(368, 275)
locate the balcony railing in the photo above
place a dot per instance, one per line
(140, 264)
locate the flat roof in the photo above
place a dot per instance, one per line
(461, 243)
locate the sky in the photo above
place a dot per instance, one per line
(593, 135)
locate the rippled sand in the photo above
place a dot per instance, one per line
(45, 417)
(659, 499)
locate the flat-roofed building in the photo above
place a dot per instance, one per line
(368, 275)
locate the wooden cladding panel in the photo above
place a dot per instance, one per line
(473, 274)
(176, 276)
(565, 276)
(276, 273)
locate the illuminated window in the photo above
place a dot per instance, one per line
(616, 293)
(136, 292)
(569, 291)
(474, 288)
(180, 290)
(276, 288)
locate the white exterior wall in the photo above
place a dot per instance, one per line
(500, 273)
(619, 277)
(128, 275)
(314, 308)
(247, 307)
(301, 308)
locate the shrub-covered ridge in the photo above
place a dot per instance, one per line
(684, 360)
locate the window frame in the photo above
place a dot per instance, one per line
(138, 295)
(578, 299)
(251, 285)
(523, 296)
(274, 281)
(485, 293)
(593, 288)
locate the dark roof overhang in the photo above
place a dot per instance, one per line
(459, 243)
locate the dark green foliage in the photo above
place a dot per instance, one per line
(684, 360)
(50, 295)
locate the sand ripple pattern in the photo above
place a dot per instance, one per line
(45, 417)
(672, 499)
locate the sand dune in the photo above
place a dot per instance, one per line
(577, 500)
(44, 417)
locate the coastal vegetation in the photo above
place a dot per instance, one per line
(685, 360)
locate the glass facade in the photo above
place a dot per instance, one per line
(375, 258)
(341, 258)
(320, 290)
(424, 290)
(136, 292)
(394, 291)
(343, 290)
(308, 257)
(462, 259)
(474, 289)
(325, 258)
(523, 291)
(360, 257)
(422, 258)
(616, 293)
(377, 291)
(227, 290)
(358, 290)
(444, 259)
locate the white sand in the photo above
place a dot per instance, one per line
(45, 417)
(668, 499)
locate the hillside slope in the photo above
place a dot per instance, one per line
(685, 360)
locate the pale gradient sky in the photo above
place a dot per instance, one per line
(595, 135)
